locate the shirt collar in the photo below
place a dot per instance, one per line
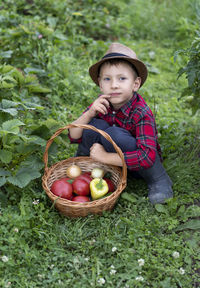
(125, 109)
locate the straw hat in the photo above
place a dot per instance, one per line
(120, 51)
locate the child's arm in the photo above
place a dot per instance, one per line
(100, 105)
(85, 118)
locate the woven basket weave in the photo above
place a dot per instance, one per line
(58, 170)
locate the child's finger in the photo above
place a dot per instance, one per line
(102, 109)
(106, 103)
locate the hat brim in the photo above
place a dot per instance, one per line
(139, 65)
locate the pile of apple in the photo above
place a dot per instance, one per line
(83, 186)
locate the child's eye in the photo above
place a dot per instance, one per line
(122, 78)
(106, 79)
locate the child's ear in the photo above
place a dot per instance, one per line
(100, 86)
(137, 84)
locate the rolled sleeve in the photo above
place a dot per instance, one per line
(74, 141)
(144, 156)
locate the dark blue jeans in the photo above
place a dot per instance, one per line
(120, 136)
(124, 140)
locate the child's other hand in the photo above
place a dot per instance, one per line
(100, 105)
(97, 152)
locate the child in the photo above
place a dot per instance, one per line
(122, 113)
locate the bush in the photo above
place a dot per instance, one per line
(192, 72)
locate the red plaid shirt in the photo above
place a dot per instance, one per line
(136, 117)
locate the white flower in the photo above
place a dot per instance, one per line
(139, 278)
(175, 254)
(16, 230)
(112, 271)
(87, 259)
(181, 271)
(141, 262)
(4, 258)
(114, 249)
(101, 281)
(35, 202)
(41, 276)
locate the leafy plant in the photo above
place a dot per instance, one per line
(191, 71)
(19, 144)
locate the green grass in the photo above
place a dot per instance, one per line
(38, 246)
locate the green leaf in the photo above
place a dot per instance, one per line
(60, 35)
(192, 211)
(160, 208)
(166, 283)
(33, 162)
(11, 111)
(6, 85)
(6, 68)
(5, 156)
(4, 172)
(37, 88)
(128, 197)
(18, 75)
(26, 29)
(42, 131)
(77, 14)
(9, 104)
(37, 140)
(23, 177)
(2, 181)
(9, 78)
(33, 70)
(6, 54)
(193, 224)
(32, 106)
(181, 210)
(12, 125)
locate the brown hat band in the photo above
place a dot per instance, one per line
(120, 55)
(114, 55)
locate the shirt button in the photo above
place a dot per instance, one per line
(114, 125)
(113, 112)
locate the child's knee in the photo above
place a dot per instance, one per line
(115, 133)
(99, 124)
(121, 137)
(116, 136)
(91, 136)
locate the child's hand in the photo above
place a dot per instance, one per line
(97, 152)
(100, 105)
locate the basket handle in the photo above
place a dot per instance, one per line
(84, 126)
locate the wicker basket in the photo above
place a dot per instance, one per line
(58, 170)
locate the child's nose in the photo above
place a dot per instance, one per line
(114, 83)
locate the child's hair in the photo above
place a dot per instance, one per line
(118, 61)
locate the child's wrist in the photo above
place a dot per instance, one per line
(91, 114)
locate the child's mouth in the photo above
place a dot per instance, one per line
(114, 94)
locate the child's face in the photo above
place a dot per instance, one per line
(119, 82)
